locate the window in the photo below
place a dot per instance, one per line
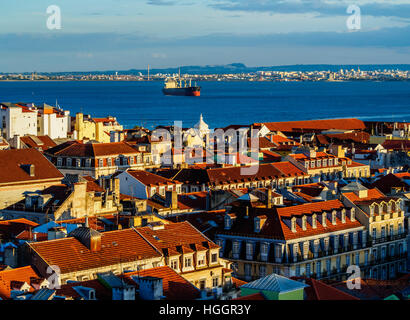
(366, 258)
(400, 228)
(318, 163)
(374, 233)
(391, 230)
(117, 161)
(264, 251)
(308, 269)
(100, 162)
(330, 162)
(249, 251)
(68, 162)
(174, 264)
(214, 258)
(312, 164)
(318, 267)
(338, 262)
(297, 271)
(262, 270)
(131, 160)
(357, 259)
(188, 262)
(202, 284)
(59, 162)
(78, 163)
(348, 260)
(383, 231)
(215, 282)
(88, 162)
(248, 269)
(201, 260)
(109, 162)
(325, 163)
(328, 264)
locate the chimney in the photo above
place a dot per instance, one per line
(150, 288)
(171, 200)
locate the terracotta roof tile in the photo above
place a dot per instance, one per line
(116, 246)
(22, 274)
(12, 169)
(175, 287)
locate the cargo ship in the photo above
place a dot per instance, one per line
(174, 87)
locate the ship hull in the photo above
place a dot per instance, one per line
(188, 91)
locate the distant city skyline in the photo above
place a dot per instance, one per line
(126, 34)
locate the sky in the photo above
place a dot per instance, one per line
(130, 34)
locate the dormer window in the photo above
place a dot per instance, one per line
(325, 163)
(343, 216)
(330, 162)
(352, 214)
(318, 163)
(304, 219)
(257, 223)
(324, 218)
(336, 161)
(334, 217)
(293, 224)
(312, 164)
(228, 222)
(314, 221)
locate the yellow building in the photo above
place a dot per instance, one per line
(98, 129)
(319, 240)
(383, 217)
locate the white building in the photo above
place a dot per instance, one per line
(20, 119)
(17, 120)
(53, 122)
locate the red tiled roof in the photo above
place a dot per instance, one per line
(116, 246)
(237, 282)
(372, 194)
(149, 178)
(386, 183)
(396, 144)
(175, 235)
(79, 149)
(289, 126)
(175, 287)
(319, 290)
(310, 208)
(12, 173)
(45, 142)
(101, 292)
(22, 274)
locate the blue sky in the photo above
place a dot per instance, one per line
(124, 34)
